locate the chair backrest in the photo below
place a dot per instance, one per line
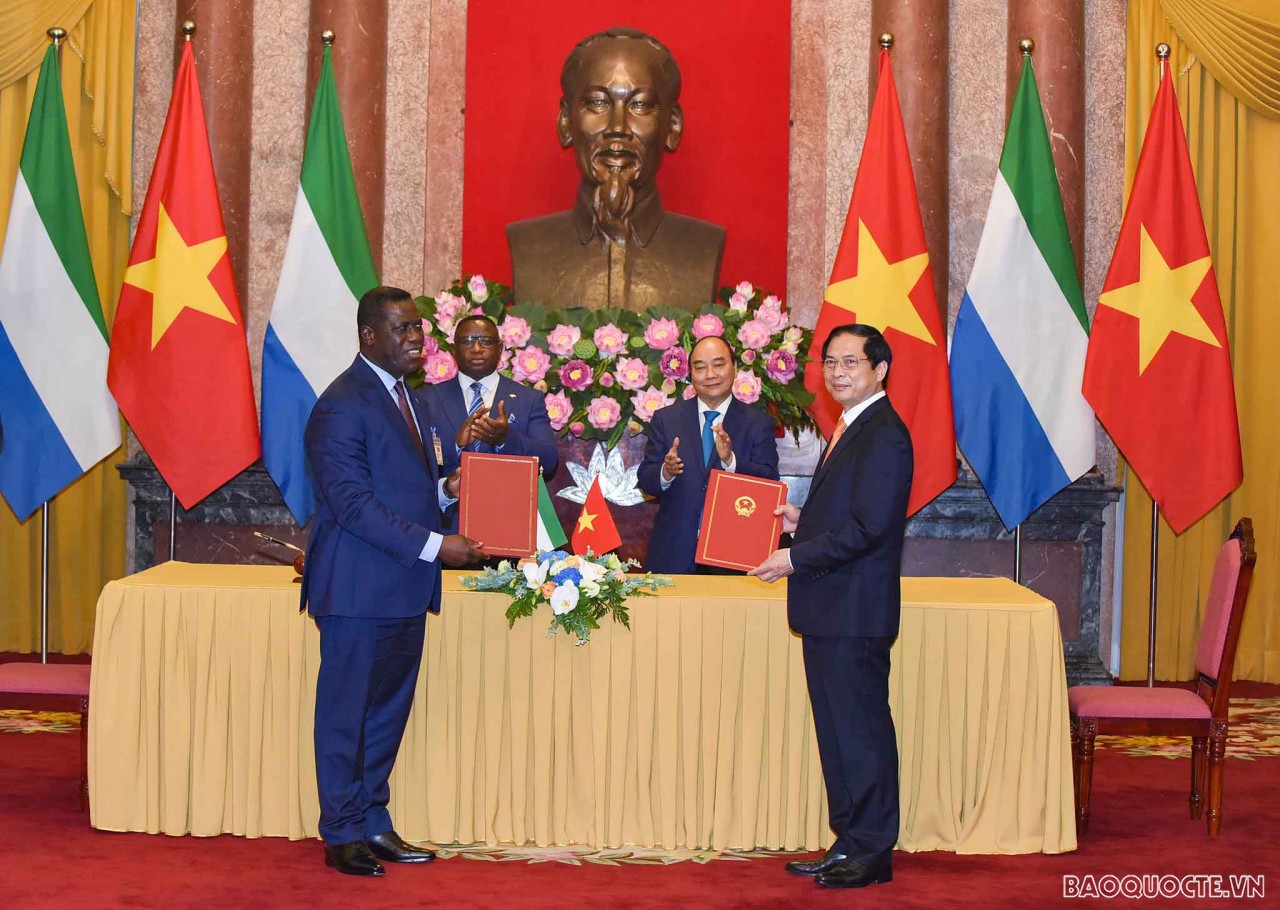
(1223, 614)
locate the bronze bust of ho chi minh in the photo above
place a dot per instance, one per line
(617, 247)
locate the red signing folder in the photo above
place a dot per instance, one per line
(739, 528)
(498, 502)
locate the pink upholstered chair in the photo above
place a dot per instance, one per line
(55, 683)
(1167, 711)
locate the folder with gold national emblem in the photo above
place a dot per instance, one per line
(498, 502)
(739, 528)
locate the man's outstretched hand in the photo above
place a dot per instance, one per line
(457, 550)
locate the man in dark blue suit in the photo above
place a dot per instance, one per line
(483, 411)
(844, 598)
(372, 572)
(718, 431)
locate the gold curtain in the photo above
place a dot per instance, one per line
(87, 520)
(1226, 67)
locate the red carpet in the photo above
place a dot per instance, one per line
(49, 857)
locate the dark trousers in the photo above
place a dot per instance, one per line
(849, 690)
(368, 671)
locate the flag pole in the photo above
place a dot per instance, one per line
(173, 521)
(1017, 554)
(1151, 609)
(44, 582)
(1162, 52)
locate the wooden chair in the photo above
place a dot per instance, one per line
(55, 683)
(1169, 711)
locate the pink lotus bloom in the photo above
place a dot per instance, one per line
(748, 356)
(610, 340)
(562, 338)
(606, 380)
(745, 289)
(449, 306)
(662, 334)
(689, 392)
(746, 387)
(707, 325)
(781, 366)
(632, 373)
(794, 335)
(429, 347)
(504, 362)
(479, 288)
(604, 413)
(440, 367)
(514, 332)
(559, 407)
(576, 375)
(576, 428)
(669, 386)
(531, 364)
(738, 303)
(754, 334)
(674, 364)
(649, 401)
(770, 313)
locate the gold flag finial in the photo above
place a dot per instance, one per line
(326, 37)
(1027, 46)
(1162, 51)
(56, 35)
(886, 40)
(188, 29)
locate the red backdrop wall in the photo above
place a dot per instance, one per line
(730, 168)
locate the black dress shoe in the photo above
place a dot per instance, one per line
(352, 859)
(813, 866)
(853, 874)
(395, 849)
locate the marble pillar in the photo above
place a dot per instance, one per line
(921, 30)
(1057, 28)
(361, 79)
(224, 29)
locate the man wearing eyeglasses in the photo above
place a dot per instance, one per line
(844, 600)
(483, 411)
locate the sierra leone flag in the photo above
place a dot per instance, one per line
(550, 532)
(1017, 353)
(58, 418)
(311, 336)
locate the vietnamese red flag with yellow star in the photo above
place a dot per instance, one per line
(1158, 369)
(594, 529)
(179, 364)
(881, 277)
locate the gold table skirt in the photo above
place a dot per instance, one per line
(692, 729)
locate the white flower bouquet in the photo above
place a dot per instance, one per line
(580, 589)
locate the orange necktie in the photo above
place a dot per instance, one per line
(835, 437)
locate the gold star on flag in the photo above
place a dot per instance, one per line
(178, 277)
(1161, 300)
(880, 294)
(586, 521)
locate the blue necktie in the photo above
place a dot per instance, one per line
(708, 437)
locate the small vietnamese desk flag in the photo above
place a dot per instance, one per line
(1158, 370)
(179, 364)
(881, 277)
(594, 528)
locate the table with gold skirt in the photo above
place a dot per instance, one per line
(692, 729)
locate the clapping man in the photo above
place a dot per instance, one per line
(689, 439)
(483, 411)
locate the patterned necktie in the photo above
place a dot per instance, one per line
(835, 437)
(403, 398)
(708, 437)
(477, 400)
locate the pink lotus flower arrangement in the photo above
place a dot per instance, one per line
(606, 372)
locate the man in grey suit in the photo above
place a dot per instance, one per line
(844, 598)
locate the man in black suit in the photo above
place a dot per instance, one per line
(689, 439)
(372, 573)
(844, 598)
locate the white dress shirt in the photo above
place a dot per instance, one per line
(732, 465)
